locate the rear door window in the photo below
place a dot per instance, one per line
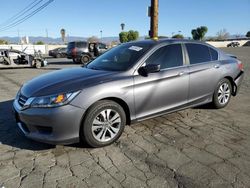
(198, 53)
(214, 54)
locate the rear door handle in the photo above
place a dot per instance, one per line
(217, 66)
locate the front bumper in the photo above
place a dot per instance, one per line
(59, 125)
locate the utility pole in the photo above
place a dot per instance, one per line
(47, 38)
(101, 34)
(47, 34)
(154, 12)
(18, 33)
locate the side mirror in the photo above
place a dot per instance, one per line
(150, 68)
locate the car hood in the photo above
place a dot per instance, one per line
(65, 80)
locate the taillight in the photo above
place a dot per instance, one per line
(74, 51)
(240, 65)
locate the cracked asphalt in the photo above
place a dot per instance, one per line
(199, 147)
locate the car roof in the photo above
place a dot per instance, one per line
(158, 41)
(154, 42)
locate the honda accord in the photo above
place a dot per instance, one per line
(129, 83)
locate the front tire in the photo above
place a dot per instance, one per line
(103, 124)
(222, 94)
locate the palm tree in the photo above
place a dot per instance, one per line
(122, 26)
(63, 32)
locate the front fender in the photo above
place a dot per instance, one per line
(122, 90)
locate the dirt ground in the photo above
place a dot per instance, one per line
(198, 147)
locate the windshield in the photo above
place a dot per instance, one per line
(121, 57)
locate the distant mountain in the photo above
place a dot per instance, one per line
(50, 40)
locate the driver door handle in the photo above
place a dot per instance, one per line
(217, 66)
(181, 73)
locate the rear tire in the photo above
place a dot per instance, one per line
(222, 94)
(85, 59)
(103, 124)
(58, 56)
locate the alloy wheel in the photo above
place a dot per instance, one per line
(223, 93)
(106, 125)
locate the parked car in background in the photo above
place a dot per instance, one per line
(83, 51)
(58, 52)
(129, 83)
(233, 44)
(16, 58)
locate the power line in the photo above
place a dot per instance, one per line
(21, 20)
(22, 12)
(26, 17)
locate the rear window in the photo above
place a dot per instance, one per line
(198, 53)
(81, 44)
(71, 45)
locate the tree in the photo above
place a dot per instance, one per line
(133, 35)
(40, 43)
(122, 26)
(3, 42)
(178, 36)
(93, 39)
(63, 33)
(248, 34)
(199, 33)
(123, 37)
(128, 36)
(222, 34)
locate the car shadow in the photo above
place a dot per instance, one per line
(208, 106)
(10, 134)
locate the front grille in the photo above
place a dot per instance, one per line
(22, 100)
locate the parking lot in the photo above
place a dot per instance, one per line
(199, 147)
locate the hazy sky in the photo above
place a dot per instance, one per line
(87, 17)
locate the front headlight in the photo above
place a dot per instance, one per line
(54, 100)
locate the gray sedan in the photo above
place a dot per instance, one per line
(131, 82)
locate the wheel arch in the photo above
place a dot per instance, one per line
(85, 53)
(234, 87)
(119, 101)
(124, 105)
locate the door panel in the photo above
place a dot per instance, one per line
(203, 80)
(160, 91)
(204, 72)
